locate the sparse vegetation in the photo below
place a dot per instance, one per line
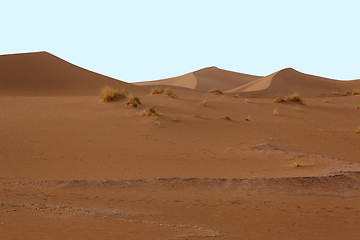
(109, 94)
(133, 101)
(203, 102)
(236, 96)
(297, 108)
(216, 91)
(167, 92)
(340, 93)
(355, 91)
(246, 100)
(150, 111)
(296, 164)
(279, 100)
(176, 119)
(248, 118)
(170, 93)
(227, 117)
(293, 98)
(357, 130)
(157, 91)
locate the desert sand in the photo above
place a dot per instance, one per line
(238, 167)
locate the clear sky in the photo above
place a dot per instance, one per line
(138, 40)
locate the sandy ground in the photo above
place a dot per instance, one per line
(73, 167)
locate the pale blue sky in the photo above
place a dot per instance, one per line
(138, 40)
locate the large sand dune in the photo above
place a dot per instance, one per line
(41, 73)
(205, 79)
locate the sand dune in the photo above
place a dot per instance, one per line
(205, 79)
(280, 83)
(42, 73)
(289, 80)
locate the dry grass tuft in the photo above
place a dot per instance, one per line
(133, 101)
(109, 94)
(157, 91)
(150, 111)
(216, 91)
(296, 164)
(279, 100)
(357, 105)
(167, 92)
(326, 100)
(293, 98)
(227, 117)
(236, 96)
(297, 108)
(170, 93)
(203, 102)
(340, 93)
(355, 91)
(246, 100)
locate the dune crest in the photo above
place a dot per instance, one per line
(205, 79)
(289, 80)
(43, 74)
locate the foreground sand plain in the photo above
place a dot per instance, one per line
(76, 168)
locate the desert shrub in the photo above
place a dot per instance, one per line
(170, 93)
(167, 92)
(157, 91)
(293, 98)
(216, 91)
(355, 91)
(246, 100)
(133, 101)
(279, 100)
(275, 112)
(109, 94)
(236, 96)
(326, 100)
(150, 111)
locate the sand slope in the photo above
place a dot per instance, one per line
(41, 73)
(205, 79)
(289, 80)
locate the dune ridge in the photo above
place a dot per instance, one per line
(289, 80)
(205, 79)
(41, 73)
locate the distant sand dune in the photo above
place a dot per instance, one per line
(280, 83)
(41, 73)
(288, 80)
(205, 79)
